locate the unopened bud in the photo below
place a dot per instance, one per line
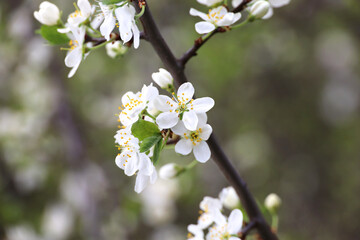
(48, 14)
(272, 202)
(169, 171)
(164, 79)
(115, 49)
(229, 198)
(259, 9)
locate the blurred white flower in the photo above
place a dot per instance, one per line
(48, 14)
(217, 17)
(21, 232)
(209, 3)
(272, 202)
(228, 229)
(115, 49)
(229, 198)
(259, 9)
(57, 222)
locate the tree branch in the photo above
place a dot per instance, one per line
(176, 69)
(192, 52)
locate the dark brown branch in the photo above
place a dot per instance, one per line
(218, 155)
(198, 43)
(246, 230)
(97, 41)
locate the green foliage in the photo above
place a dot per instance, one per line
(157, 150)
(148, 142)
(51, 34)
(143, 129)
(109, 2)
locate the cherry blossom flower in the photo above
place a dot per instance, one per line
(80, 15)
(195, 232)
(168, 171)
(229, 198)
(125, 14)
(115, 49)
(217, 17)
(76, 53)
(210, 212)
(259, 9)
(194, 140)
(134, 103)
(163, 78)
(146, 174)
(228, 229)
(181, 107)
(48, 14)
(270, 12)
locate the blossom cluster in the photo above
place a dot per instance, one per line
(212, 224)
(89, 20)
(149, 119)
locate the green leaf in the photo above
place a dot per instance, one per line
(51, 34)
(143, 129)
(148, 142)
(109, 2)
(157, 150)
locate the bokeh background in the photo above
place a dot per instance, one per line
(287, 95)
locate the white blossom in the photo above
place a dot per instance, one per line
(194, 140)
(217, 17)
(210, 212)
(270, 12)
(195, 232)
(228, 229)
(272, 202)
(81, 15)
(236, 3)
(163, 78)
(76, 53)
(259, 9)
(134, 103)
(181, 107)
(115, 49)
(146, 174)
(125, 15)
(48, 14)
(229, 198)
(168, 171)
(209, 3)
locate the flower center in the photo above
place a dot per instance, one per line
(215, 16)
(73, 44)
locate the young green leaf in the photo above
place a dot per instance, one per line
(51, 34)
(148, 142)
(143, 129)
(157, 150)
(109, 2)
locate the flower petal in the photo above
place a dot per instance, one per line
(136, 36)
(202, 119)
(163, 103)
(167, 120)
(73, 57)
(279, 3)
(141, 182)
(85, 7)
(107, 26)
(73, 70)
(206, 132)
(204, 27)
(202, 152)
(194, 12)
(186, 91)
(184, 147)
(180, 129)
(202, 105)
(235, 221)
(269, 14)
(190, 120)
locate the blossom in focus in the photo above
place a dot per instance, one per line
(228, 229)
(134, 103)
(76, 52)
(209, 3)
(181, 108)
(217, 17)
(48, 14)
(163, 78)
(83, 12)
(194, 140)
(229, 198)
(115, 49)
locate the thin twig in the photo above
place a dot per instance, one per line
(97, 41)
(218, 155)
(246, 230)
(198, 43)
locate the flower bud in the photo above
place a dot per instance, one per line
(163, 78)
(48, 14)
(272, 202)
(115, 49)
(229, 198)
(259, 9)
(169, 171)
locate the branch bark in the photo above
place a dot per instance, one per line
(218, 155)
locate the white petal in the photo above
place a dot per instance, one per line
(202, 105)
(167, 120)
(279, 3)
(269, 14)
(202, 119)
(204, 27)
(234, 238)
(229, 19)
(141, 182)
(163, 103)
(186, 91)
(153, 176)
(127, 96)
(195, 230)
(148, 93)
(235, 221)
(73, 57)
(190, 120)
(205, 220)
(194, 12)
(73, 70)
(184, 146)
(236, 3)
(85, 7)
(145, 165)
(118, 161)
(202, 152)
(136, 36)
(107, 26)
(206, 132)
(180, 129)
(132, 164)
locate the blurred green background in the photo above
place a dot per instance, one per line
(287, 95)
